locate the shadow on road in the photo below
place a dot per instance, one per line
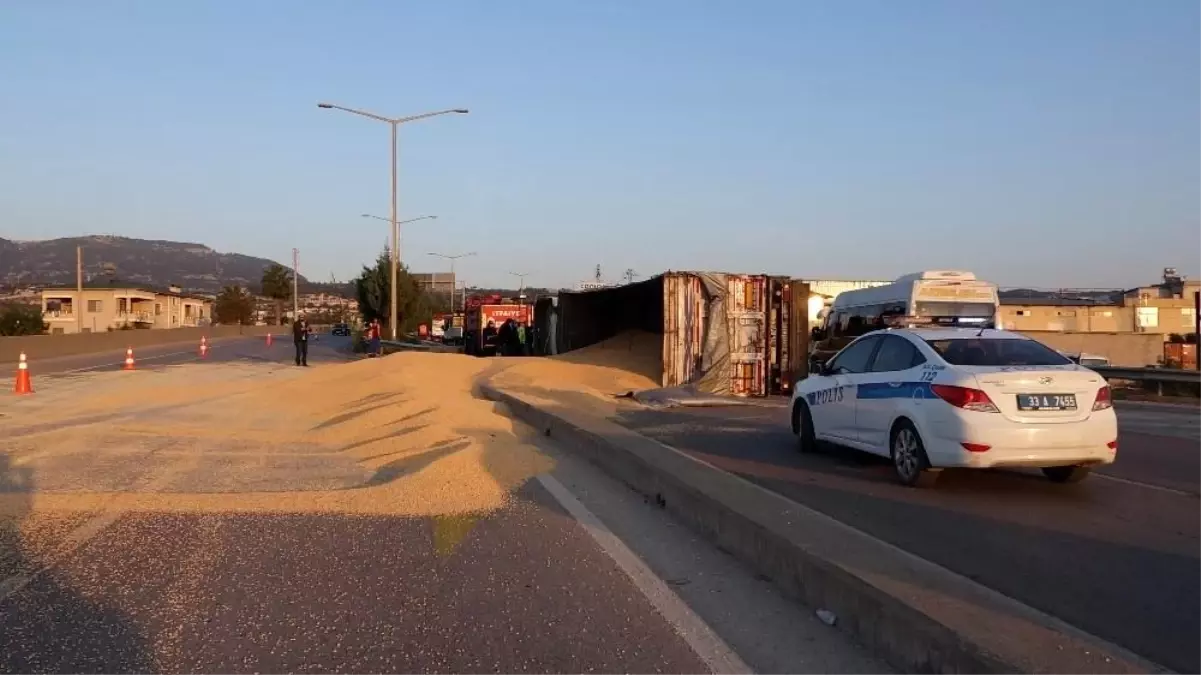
(46, 624)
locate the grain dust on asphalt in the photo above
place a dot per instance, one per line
(405, 435)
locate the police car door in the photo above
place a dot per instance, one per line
(888, 388)
(835, 404)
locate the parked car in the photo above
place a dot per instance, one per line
(340, 329)
(453, 336)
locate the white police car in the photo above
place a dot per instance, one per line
(934, 398)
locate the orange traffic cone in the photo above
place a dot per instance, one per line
(24, 384)
(128, 359)
(268, 339)
(204, 347)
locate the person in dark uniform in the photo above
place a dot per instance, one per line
(489, 340)
(300, 336)
(502, 338)
(508, 337)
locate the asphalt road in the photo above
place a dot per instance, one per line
(335, 594)
(325, 349)
(1116, 555)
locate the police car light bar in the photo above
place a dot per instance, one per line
(900, 321)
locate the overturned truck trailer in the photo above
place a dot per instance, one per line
(722, 334)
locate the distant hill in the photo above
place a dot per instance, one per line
(144, 262)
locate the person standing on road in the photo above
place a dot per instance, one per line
(489, 340)
(505, 337)
(514, 338)
(374, 334)
(300, 336)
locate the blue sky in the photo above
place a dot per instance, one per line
(1036, 143)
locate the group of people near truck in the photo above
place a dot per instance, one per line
(512, 338)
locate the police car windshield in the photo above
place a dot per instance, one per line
(986, 352)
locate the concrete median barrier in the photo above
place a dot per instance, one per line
(77, 344)
(917, 615)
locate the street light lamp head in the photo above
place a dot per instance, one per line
(461, 111)
(325, 105)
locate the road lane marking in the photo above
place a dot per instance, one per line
(195, 357)
(1149, 486)
(706, 643)
(121, 363)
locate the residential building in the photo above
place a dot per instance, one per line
(1064, 314)
(327, 302)
(113, 307)
(1164, 308)
(25, 296)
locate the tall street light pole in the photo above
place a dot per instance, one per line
(394, 123)
(398, 224)
(402, 222)
(454, 280)
(521, 288)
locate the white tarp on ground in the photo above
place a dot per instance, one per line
(686, 396)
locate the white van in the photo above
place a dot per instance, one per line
(947, 298)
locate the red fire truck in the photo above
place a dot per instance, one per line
(484, 309)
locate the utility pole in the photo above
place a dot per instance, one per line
(79, 304)
(295, 284)
(597, 276)
(630, 275)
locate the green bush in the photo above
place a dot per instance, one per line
(21, 319)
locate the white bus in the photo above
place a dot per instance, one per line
(933, 297)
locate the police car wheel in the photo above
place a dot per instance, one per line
(1066, 474)
(802, 426)
(909, 456)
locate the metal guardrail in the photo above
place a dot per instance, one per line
(1158, 376)
(397, 345)
(1149, 374)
